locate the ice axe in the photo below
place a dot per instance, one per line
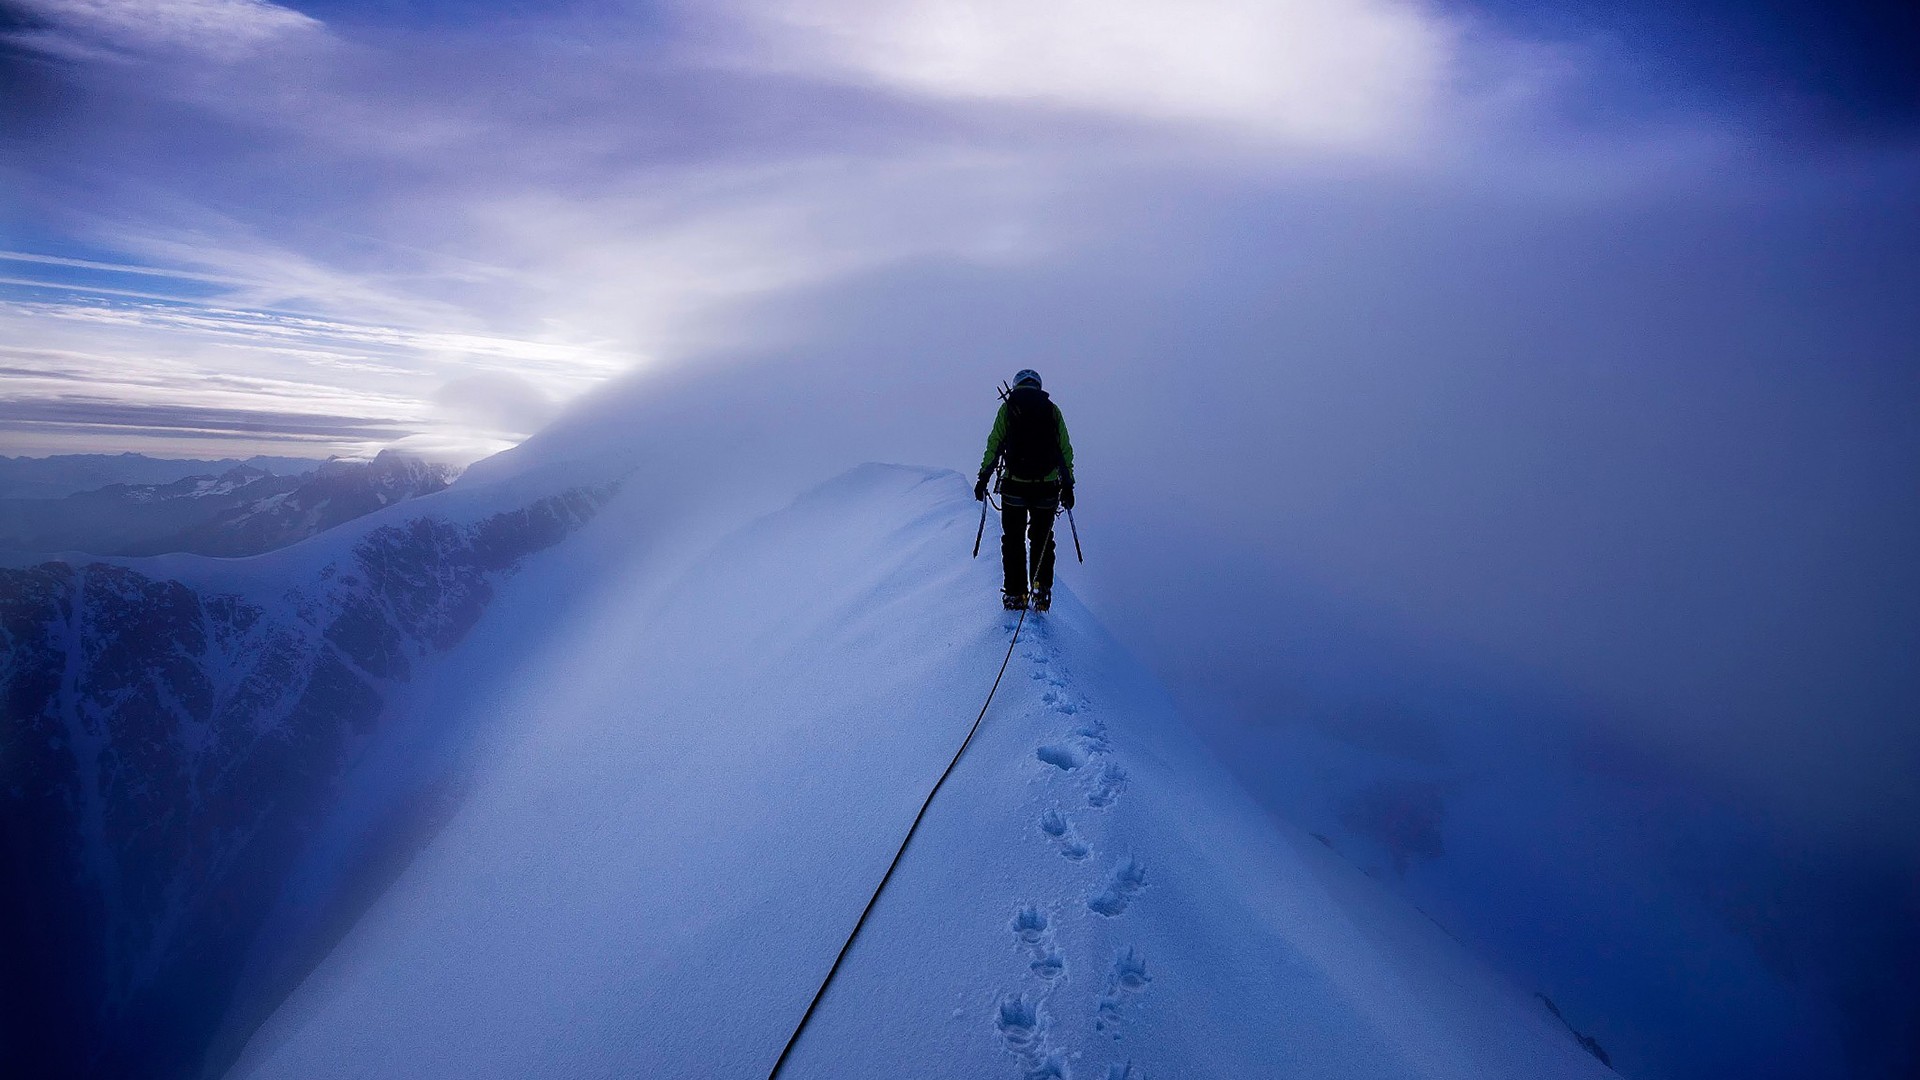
(1003, 390)
(1075, 529)
(984, 503)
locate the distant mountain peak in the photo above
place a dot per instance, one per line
(243, 509)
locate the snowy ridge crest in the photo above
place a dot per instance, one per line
(705, 784)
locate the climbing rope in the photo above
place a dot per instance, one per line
(794, 1039)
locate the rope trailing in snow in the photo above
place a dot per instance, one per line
(794, 1039)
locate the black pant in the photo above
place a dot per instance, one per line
(1026, 533)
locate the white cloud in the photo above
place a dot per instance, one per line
(1344, 73)
(221, 28)
(117, 268)
(664, 259)
(500, 403)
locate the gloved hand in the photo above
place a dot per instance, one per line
(1066, 495)
(980, 489)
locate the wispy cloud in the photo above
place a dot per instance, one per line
(116, 268)
(205, 28)
(128, 371)
(107, 417)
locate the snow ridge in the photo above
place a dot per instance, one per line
(649, 877)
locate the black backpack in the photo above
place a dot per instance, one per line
(1032, 446)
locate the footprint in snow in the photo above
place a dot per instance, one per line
(1034, 931)
(1056, 685)
(1127, 978)
(1127, 879)
(1107, 786)
(1060, 702)
(1092, 737)
(1049, 965)
(1023, 1028)
(1055, 824)
(1061, 756)
(1019, 1023)
(1030, 925)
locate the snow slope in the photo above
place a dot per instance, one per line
(686, 802)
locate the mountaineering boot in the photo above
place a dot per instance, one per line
(1013, 601)
(1042, 600)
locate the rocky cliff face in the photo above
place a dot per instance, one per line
(169, 749)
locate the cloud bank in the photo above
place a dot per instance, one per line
(1338, 73)
(606, 190)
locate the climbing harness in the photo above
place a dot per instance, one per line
(1057, 511)
(794, 1039)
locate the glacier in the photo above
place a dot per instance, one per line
(676, 804)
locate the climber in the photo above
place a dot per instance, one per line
(1029, 440)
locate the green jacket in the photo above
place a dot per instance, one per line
(997, 438)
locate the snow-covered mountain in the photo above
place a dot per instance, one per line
(60, 475)
(243, 510)
(475, 785)
(689, 791)
(335, 493)
(180, 731)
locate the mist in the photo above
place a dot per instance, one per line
(1617, 485)
(1654, 454)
